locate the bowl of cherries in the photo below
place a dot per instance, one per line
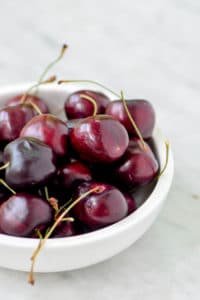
(84, 173)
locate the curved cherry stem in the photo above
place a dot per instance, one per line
(25, 95)
(132, 120)
(167, 145)
(5, 166)
(90, 81)
(35, 107)
(42, 242)
(53, 63)
(92, 100)
(7, 186)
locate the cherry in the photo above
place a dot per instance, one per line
(141, 111)
(79, 104)
(138, 166)
(73, 174)
(22, 213)
(29, 98)
(50, 130)
(99, 139)
(13, 119)
(102, 207)
(29, 163)
(132, 206)
(65, 229)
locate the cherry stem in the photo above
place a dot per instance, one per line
(70, 219)
(7, 186)
(54, 203)
(93, 82)
(92, 100)
(132, 120)
(37, 231)
(35, 107)
(167, 145)
(5, 166)
(41, 244)
(46, 192)
(53, 63)
(25, 95)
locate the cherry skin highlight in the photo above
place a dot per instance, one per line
(77, 106)
(101, 208)
(13, 119)
(141, 111)
(49, 130)
(138, 166)
(99, 139)
(72, 174)
(30, 98)
(22, 213)
(31, 163)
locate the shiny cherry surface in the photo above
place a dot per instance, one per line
(72, 174)
(77, 106)
(50, 130)
(22, 213)
(100, 208)
(99, 139)
(31, 163)
(142, 112)
(138, 166)
(13, 119)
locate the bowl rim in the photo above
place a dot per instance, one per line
(155, 198)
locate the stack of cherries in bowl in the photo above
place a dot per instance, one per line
(61, 178)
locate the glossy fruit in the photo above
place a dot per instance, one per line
(100, 208)
(141, 111)
(130, 202)
(138, 166)
(49, 130)
(30, 98)
(77, 106)
(31, 163)
(65, 229)
(13, 119)
(22, 213)
(72, 174)
(99, 139)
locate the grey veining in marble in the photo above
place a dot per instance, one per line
(149, 49)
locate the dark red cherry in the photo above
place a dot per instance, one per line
(141, 111)
(100, 208)
(77, 106)
(13, 119)
(138, 166)
(30, 98)
(99, 139)
(22, 213)
(65, 229)
(72, 174)
(50, 130)
(31, 163)
(130, 202)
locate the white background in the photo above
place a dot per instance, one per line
(151, 50)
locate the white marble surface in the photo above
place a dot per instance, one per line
(150, 49)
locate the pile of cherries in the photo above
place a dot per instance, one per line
(77, 174)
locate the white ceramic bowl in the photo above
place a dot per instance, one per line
(84, 250)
